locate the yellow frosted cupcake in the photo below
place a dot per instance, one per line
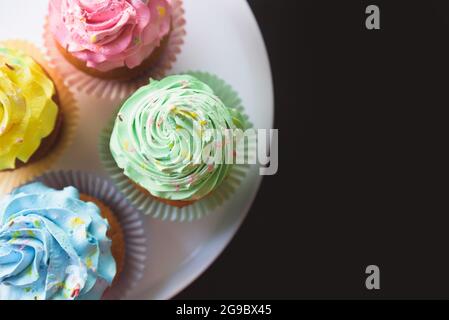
(29, 114)
(38, 114)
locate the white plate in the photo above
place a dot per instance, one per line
(223, 38)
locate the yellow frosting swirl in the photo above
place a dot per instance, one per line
(27, 111)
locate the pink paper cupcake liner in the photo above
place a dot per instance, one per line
(116, 89)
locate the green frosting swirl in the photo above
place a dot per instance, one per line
(161, 132)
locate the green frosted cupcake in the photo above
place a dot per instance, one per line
(174, 139)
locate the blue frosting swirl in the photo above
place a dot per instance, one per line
(53, 246)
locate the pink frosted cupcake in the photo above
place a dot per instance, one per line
(111, 39)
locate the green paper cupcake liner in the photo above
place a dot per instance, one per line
(201, 208)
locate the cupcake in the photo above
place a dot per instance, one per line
(168, 135)
(38, 114)
(111, 39)
(56, 245)
(30, 119)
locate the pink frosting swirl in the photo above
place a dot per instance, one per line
(109, 34)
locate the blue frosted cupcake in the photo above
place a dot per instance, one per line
(53, 246)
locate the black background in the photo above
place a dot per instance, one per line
(363, 143)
